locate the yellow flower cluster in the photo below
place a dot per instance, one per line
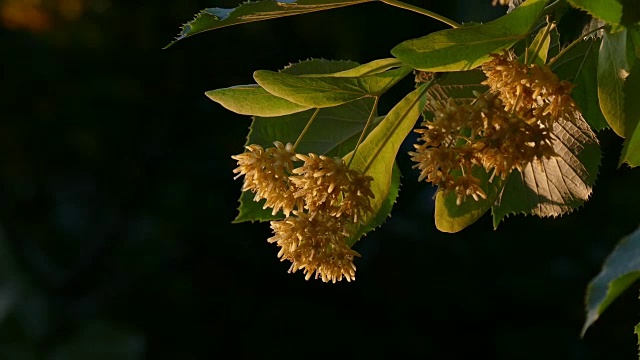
(323, 200)
(502, 130)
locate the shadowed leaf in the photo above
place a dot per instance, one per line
(620, 270)
(214, 18)
(612, 70)
(631, 90)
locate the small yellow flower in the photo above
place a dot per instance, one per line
(266, 173)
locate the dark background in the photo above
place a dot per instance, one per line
(117, 196)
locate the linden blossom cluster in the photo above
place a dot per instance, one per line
(323, 200)
(505, 129)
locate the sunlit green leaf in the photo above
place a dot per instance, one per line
(579, 66)
(253, 100)
(467, 47)
(612, 70)
(376, 155)
(631, 90)
(557, 185)
(607, 10)
(214, 18)
(381, 214)
(322, 91)
(620, 270)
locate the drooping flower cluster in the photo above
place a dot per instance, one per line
(502, 130)
(323, 200)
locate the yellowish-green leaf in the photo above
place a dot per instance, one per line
(467, 47)
(554, 186)
(612, 70)
(451, 217)
(323, 91)
(620, 270)
(253, 100)
(539, 47)
(376, 155)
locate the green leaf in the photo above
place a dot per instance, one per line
(620, 270)
(579, 66)
(631, 90)
(541, 44)
(451, 217)
(324, 91)
(214, 18)
(253, 100)
(376, 155)
(612, 70)
(467, 47)
(557, 185)
(607, 10)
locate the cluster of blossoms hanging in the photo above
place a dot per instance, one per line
(324, 202)
(506, 128)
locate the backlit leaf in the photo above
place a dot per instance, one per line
(620, 270)
(612, 70)
(214, 18)
(557, 185)
(467, 47)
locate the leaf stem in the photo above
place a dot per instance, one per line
(306, 128)
(574, 43)
(422, 11)
(364, 131)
